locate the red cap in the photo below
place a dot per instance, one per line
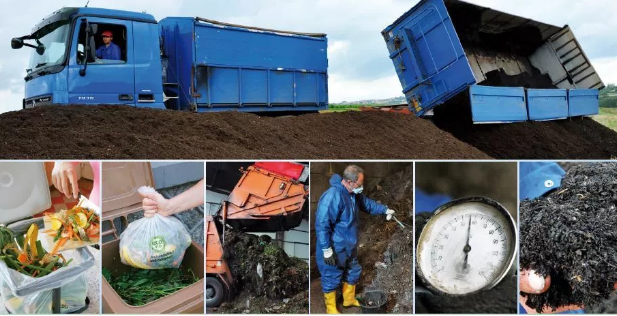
(108, 33)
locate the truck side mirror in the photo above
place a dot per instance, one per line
(40, 49)
(88, 40)
(17, 43)
(91, 48)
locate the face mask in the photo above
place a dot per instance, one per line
(358, 190)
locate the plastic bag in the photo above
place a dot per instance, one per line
(157, 242)
(23, 285)
(73, 297)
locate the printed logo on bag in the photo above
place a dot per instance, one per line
(158, 243)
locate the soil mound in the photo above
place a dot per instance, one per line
(576, 138)
(123, 132)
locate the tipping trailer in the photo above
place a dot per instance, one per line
(269, 197)
(179, 63)
(507, 68)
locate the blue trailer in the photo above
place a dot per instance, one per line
(180, 63)
(509, 68)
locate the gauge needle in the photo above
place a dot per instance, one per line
(467, 247)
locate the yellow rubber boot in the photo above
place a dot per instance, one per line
(349, 295)
(331, 303)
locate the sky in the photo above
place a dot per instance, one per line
(359, 67)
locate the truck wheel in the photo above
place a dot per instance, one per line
(214, 292)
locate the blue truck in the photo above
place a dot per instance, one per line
(180, 63)
(506, 68)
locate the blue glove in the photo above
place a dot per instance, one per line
(538, 178)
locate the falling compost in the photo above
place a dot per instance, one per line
(569, 234)
(265, 278)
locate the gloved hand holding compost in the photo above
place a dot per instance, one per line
(155, 242)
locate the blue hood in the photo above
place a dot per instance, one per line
(335, 181)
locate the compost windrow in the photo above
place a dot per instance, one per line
(570, 235)
(124, 132)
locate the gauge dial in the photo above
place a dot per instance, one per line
(467, 246)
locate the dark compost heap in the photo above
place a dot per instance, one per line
(123, 132)
(282, 286)
(501, 299)
(570, 234)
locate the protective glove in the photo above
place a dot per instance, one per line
(389, 214)
(328, 256)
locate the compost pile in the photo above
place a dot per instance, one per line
(570, 235)
(390, 272)
(501, 299)
(138, 287)
(575, 138)
(123, 132)
(265, 278)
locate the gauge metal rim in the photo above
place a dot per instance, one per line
(471, 199)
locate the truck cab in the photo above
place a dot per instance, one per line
(64, 68)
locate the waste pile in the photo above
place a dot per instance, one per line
(265, 278)
(29, 273)
(30, 259)
(569, 234)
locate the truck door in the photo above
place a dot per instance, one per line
(428, 56)
(105, 81)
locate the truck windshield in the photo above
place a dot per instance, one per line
(53, 37)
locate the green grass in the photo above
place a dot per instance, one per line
(345, 107)
(607, 117)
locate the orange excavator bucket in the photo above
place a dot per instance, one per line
(269, 197)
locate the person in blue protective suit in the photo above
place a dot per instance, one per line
(336, 227)
(108, 50)
(538, 179)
